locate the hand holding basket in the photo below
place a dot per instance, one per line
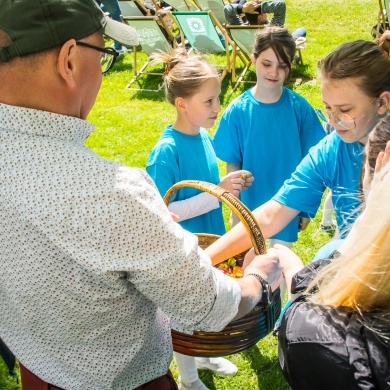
(248, 330)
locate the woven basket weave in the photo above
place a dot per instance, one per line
(247, 331)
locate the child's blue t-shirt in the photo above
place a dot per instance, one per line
(177, 157)
(269, 140)
(332, 163)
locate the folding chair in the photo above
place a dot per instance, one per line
(200, 30)
(216, 6)
(151, 39)
(383, 17)
(243, 37)
(133, 8)
(182, 5)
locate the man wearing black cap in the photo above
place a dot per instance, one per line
(93, 271)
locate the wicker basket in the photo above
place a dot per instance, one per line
(247, 331)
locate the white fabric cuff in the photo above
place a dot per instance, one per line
(194, 206)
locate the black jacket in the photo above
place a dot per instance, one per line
(331, 348)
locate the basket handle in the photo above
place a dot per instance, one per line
(243, 213)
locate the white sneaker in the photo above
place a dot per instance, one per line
(218, 365)
(197, 385)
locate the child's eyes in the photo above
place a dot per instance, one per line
(283, 66)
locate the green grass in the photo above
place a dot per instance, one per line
(130, 122)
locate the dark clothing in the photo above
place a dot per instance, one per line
(331, 348)
(31, 382)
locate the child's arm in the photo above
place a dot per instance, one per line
(233, 182)
(194, 206)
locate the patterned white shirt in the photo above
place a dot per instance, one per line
(91, 264)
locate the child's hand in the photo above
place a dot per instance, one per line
(235, 182)
(289, 261)
(382, 159)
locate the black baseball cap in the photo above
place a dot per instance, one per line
(37, 25)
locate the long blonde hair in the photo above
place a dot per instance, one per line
(360, 277)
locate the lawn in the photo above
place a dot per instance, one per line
(130, 122)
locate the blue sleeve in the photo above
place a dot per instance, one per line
(162, 167)
(227, 139)
(304, 190)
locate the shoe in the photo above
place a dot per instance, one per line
(197, 385)
(220, 366)
(123, 50)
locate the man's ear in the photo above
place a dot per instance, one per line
(180, 104)
(67, 62)
(384, 102)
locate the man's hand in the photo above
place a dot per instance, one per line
(250, 7)
(267, 266)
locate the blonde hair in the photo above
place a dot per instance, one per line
(184, 74)
(360, 277)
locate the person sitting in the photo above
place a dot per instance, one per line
(335, 333)
(255, 12)
(114, 10)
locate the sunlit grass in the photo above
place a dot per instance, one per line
(130, 122)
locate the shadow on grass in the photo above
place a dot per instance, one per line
(265, 368)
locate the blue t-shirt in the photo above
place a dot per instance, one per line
(178, 157)
(269, 140)
(332, 163)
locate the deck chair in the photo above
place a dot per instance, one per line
(216, 6)
(133, 8)
(151, 39)
(182, 5)
(383, 17)
(200, 30)
(243, 37)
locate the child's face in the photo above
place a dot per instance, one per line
(269, 71)
(168, 21)
(202, 108)
(346, 97)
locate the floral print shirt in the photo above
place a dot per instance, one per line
(92, 267)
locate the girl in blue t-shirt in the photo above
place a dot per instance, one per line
(355, 86)
(185, 151)
(269, 128)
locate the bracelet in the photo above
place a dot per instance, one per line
(266, 293)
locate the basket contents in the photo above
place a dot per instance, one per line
(230, 268)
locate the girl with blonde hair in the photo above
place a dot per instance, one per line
(336, 332)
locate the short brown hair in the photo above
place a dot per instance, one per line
(279, 40)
